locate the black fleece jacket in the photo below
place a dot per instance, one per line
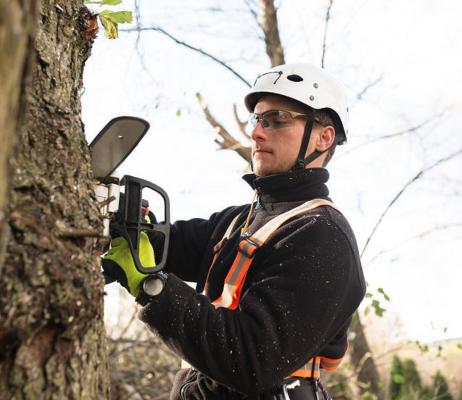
(299, 294)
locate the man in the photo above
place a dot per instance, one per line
(277, 280)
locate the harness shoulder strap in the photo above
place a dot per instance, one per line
(235, 278)
(261, 235)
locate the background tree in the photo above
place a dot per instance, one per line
(52, 341)
(440, 387)
(396, 378)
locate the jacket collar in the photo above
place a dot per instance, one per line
(301, 185)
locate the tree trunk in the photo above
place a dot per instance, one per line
(52, 339)
(368, 377)
(16, 30)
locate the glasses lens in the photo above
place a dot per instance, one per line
(272, 119)
(275, 119)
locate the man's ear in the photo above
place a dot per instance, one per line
(326, 138)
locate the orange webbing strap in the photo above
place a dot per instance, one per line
(312, 369)
(235, 278)
(217, 248)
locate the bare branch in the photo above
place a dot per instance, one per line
(404, 188)
(418, 236)
(228, 142)
(181, 43)
(326, 25)
(271, 32)
(241, 124)
(412, 129)
(67, 232)
(369, 86)
(138, 24)
(253, 13)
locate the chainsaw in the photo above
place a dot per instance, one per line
(122, 202)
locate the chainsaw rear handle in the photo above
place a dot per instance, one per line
(133, 223)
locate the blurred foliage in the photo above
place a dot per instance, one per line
(376, 302)
(141, 368)
(441, 388)
(406, 384)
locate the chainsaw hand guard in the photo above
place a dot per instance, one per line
(131, 222)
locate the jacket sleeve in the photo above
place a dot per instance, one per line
(190, 243)
(304, 289)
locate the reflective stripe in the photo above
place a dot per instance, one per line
(217, 249)
(329, 364)
(310, 370)
(234, 281)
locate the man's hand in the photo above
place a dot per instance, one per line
(118, 263)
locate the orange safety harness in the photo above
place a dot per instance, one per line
(234, 281)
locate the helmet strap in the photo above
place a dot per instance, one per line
(301, 161)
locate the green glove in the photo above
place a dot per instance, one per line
(118, 263)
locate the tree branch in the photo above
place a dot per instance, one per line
(391, 135)
(271, 33)
(418, 236)
(326, 25)
(370, 85)
(404, 188)
(181, 43)
(228, 142)
(253, 13)
(241, 125)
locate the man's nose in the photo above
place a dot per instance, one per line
(258, 132)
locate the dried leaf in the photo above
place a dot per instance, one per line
(110, 27)
(91, 28)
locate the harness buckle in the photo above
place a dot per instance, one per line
(248, 246)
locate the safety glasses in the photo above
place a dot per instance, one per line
(272, 119)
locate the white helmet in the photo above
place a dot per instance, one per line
(307, 84)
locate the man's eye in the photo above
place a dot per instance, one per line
(279, 122)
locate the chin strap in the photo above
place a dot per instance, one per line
(303, 161)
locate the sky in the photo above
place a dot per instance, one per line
(412, 49)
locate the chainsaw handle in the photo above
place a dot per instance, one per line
(133, 226)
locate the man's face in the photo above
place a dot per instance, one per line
(275, 151)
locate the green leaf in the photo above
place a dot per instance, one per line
(397, 378)
(110, 2)
(379, 310)
(119, 17)
(178, 112)
(422, 347)
(110, 27)
(382, 292)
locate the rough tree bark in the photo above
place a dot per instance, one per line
(52, 339)
(17, 23)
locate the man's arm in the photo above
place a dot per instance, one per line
(300, 291)
(191, 242)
